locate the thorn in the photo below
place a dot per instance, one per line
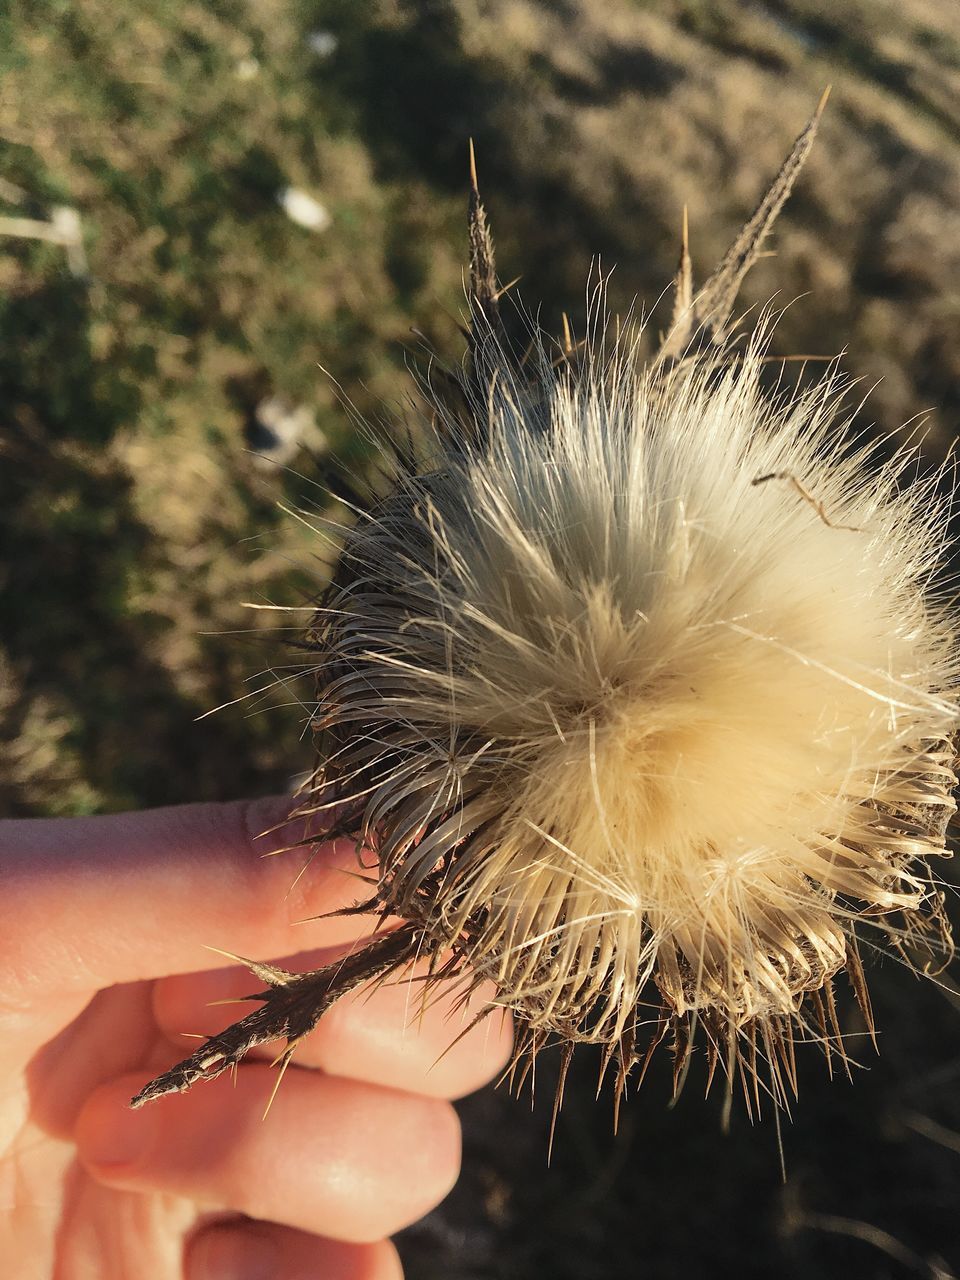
(713, 1057)
(271, 974)
(283, 1061)
(684, 278)
(626, 1053)
(565, 1059)
(663, 1026)
(820, 1014)
(752, 1036)
(527, 354)
(682, 320)
(780, 1148)
(567, 336)
(505, 288)
(214, 1004)
(564, 356)
(790, 1063)
(859, 983)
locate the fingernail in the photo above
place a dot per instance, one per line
(228, 1253)
(109, 1134)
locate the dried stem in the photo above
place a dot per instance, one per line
(293, 1004)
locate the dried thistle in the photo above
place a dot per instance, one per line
(636, 687)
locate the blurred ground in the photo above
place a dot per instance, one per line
(136, 514)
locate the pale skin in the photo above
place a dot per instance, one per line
(103, 968)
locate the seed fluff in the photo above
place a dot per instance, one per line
(636, 686)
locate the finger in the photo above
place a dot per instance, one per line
(133, 896)
(265, 1251)
(345, 1159)
(399, 1034)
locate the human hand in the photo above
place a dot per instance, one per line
(104, 925)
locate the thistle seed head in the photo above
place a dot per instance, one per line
(626, 727)
(636, 686)
(635, 682)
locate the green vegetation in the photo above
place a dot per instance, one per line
(129, 494)
(135, 519)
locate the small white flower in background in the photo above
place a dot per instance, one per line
(63, 227)
(65, 221)
(278, 429)
(322, 43)
(303, 209)
(247, 69)
(66, 224)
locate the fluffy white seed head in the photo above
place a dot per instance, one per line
(637, 684)
(628, 728)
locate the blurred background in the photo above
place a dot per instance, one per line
(201, 203)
